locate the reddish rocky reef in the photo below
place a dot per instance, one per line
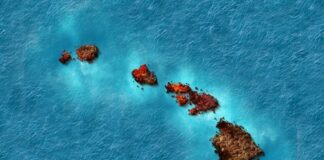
(87, 53)
(178, 88)
(203, 102)
(234, 143)
(65, 57)
(143, 75)
(182, 100)
(184, 94)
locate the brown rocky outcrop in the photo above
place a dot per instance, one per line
(234, 143)
(87, 53)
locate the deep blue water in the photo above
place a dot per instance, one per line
(263, 60)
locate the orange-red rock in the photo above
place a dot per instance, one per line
(143, 75)
(182, 100)
(203, 102)
(193, 111)
(194, 97)
(87, 53)
(234, 143)
(65, 57)
(177, 88)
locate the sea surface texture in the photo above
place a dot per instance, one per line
(263, 61)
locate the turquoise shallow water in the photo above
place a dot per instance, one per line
(262, 60)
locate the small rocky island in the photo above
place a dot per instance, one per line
(203, 102)
(184, 94)
(65, 57)
(234, 143)
(143, 75)
(87, 53)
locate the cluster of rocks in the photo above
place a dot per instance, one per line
(234, 143)
(185, 95)
(231, 143)
(85, 53)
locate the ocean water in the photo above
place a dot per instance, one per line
(263, 60)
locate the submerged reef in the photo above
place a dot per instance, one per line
(203, 102)
(65, 57)
(234, 143)
(143, 75)
(87, 53)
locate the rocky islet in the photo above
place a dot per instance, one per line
(65, 57)
(143, 75)
(86, 53)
